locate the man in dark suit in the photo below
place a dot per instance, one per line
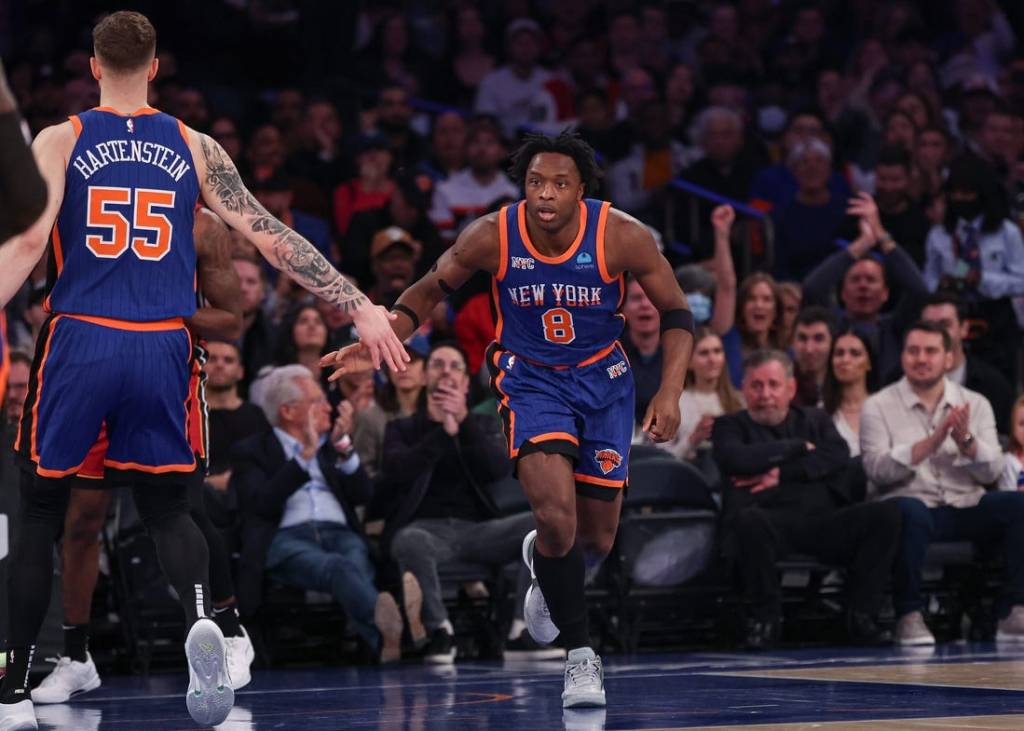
(788, 490)
(298, 485)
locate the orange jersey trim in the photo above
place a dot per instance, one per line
(502, 243)
(554, 436)
(149, 468)
(598, 355)
(590, 480)
(57, 474)
(567, 254)
(184, 135)
(76, 125)
(173, 323)
(500, 324)
(34, 440)
(503, 404)
(602, 222)
(140, 112)
(58, 259)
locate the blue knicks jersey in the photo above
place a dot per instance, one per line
(556, 311)
(122, 244)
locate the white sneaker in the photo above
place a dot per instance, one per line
(68, 679)
(20, 716)
(240, 654)
(911, 631)
(535, 609)
(210, 695)
(584, 679)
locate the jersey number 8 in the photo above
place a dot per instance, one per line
(120, 233)
(558, 327)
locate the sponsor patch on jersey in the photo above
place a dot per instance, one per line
(607, 460)
(584, 260)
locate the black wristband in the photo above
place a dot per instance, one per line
(678, 319)
(407, 311)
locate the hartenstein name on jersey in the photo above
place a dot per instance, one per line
(153, 153)
(561, 295)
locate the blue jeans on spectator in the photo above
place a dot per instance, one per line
(998, 517)
(331, 558)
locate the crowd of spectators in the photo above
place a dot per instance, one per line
(840, 186)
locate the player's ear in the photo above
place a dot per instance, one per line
(154, 66)
(94, 67)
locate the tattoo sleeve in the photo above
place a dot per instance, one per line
(290, 252)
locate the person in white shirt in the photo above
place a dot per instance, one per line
(516, 93)
(931, 444)
(851, 377)
(709, 393)
(1012, 477)
(469, 193)
(298, 485)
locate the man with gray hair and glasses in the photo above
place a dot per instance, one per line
(298, 485)
(787, 490)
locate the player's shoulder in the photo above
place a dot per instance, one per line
(482, 229)
(621, 224)
(62, 133)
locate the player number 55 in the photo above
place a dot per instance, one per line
(120, 234)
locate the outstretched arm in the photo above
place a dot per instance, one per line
(221, 317)
(20, 254)
(631, 247)
(476, 249)
(22, 188)
(228, 197)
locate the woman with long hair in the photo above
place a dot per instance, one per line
(304, 338)
(759, 322)
(709, 393)
(1013, 469)
(852, 376)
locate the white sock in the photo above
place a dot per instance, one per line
(516, 629)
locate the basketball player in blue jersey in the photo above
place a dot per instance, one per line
(123, 180)
(563, 382)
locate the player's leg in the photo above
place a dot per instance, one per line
(75, 672)
(598, 521)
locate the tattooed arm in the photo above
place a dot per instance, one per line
(227, 196)
(476, 249)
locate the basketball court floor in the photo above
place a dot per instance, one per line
(956, 686)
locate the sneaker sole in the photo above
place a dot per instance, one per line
(440, 659)
(550, 653)
(1009, 637)
(917, 642)
(93, 684)
(210, 695)
(543, 631)
(528, 542)
(592, 699)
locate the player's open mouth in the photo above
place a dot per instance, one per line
(546, 215)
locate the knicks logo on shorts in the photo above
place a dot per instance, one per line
(607, 460)
(616, 370)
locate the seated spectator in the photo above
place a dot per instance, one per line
(303, 338)
(408, 209)
(636, 182)
(393, 257)
(864, 284)
(298, 486)
(467, 194)
(231, 419)
(776, 185)
(930, 446)
(709, 393)
(259, 336)
(758, 322)
(469, 59)
(812, 340)
(393, 117)
(783, 467)
(642, 342)
(516, 93)
(968, 370)
(438, 461)
(852, 376)
(372, 186)
(976, 252)
(725, 167)
(320, 157)
(931, 159)
(1013, 471)
(806, 226)
(447, 143)
(401, 395)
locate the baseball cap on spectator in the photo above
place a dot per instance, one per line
(523, 25)
(390, 237)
